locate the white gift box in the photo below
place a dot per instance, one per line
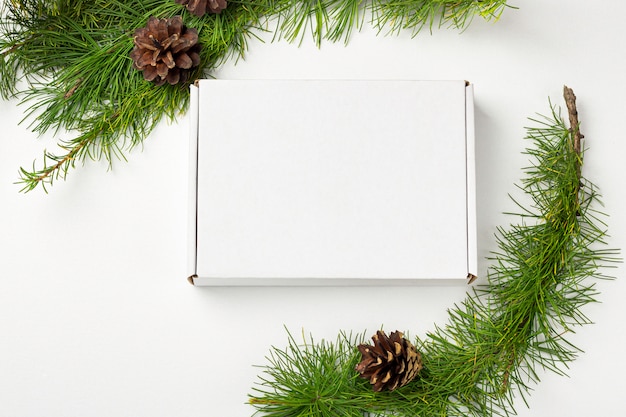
(328, 182)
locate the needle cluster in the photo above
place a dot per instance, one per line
(70, 62)
(498, 340)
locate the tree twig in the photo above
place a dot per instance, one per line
(570, 102)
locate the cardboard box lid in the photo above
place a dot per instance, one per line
(303, 182)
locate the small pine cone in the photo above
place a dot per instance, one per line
(391, 363)
(166, 51)
(200, 7)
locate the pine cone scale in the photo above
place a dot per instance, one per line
(150, 73)
(168, 61)
(141, 42)
(173, 77)
(184, 61)
(162, 70)
(175, 27)
(168, 42)
(161, 29)
(185, 41)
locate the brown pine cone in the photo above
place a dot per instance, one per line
(391, 363)
(166, 51)
(200, 7)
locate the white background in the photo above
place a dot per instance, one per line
(97, 319)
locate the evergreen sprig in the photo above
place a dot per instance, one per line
(68, 61)
(496, 341)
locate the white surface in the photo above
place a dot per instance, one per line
(322, 183)
(96, 321)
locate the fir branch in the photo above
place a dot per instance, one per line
(496, 341)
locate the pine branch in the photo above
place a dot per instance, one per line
(49, 173)
(495, 342)
(74, 58)
(80, 77)
(76, 149)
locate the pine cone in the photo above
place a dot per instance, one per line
(166, 50)
(391, 363)
(200, 7)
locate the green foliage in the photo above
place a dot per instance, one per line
(495, 342)
(322, 374)
(68, 61)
